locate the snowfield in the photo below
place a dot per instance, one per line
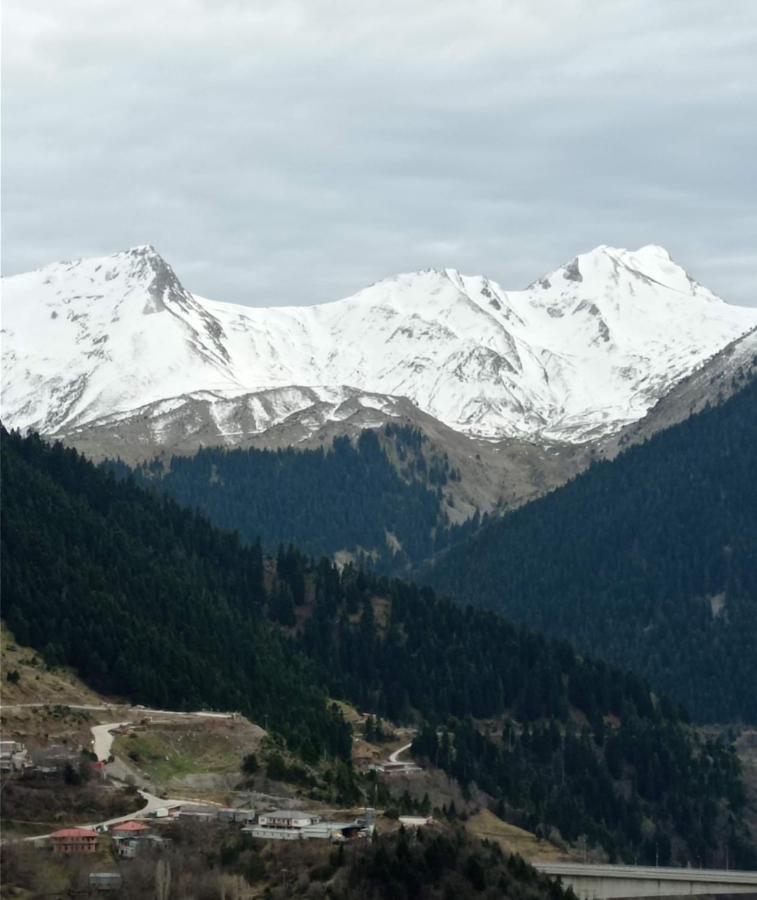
(575, 356)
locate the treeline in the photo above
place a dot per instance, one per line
(349, 496)
(649, 561)
(148, 600)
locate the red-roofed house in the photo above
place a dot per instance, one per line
(131, 828)
(75, 840)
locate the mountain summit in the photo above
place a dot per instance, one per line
(577, 355)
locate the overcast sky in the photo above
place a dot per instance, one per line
(296, 151)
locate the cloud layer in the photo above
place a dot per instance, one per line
(295, 152)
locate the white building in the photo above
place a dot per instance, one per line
(287, 818)
(324, 831)
(392, 767)
(415, 821)
(273, 834)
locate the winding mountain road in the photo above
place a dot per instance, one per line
(151, 804)
(102, 739)
(394, 757)
(102, 743)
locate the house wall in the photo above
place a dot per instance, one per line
(275, 822)
(274, 834)
(73, 845)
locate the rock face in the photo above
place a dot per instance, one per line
(117, 348)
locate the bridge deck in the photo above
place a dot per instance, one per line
(604, 882)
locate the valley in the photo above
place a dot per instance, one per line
(526, 721)
(517, 481)
(378, 450)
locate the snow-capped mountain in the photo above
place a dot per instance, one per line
(574, 357)
(722, 376)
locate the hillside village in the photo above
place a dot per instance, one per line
(96, 793)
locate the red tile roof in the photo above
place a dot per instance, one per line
(130, 826)
(75, 832)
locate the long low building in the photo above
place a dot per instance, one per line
(323, 831)
(287, 818)
(395, 767)
(265, 833)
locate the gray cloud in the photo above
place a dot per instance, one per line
(295, 152)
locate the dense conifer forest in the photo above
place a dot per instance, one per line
(430, 865)
(649, 561)
(148, 600)
(556, 740)
(349, 496)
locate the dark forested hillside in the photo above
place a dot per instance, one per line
(146, 599)
(568, 743)
(347, 497)
(150, 601)
(649, 561)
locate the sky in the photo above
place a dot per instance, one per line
(297, 151)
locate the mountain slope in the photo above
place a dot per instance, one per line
(389, 495)
(493, 474)
(649, 560)
(574, 357)
(90, 337)
(722, 376)
(146, 600)
(149, 601)
(379, 499)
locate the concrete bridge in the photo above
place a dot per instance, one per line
(606, 882)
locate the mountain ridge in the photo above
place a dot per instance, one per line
(573, 358)
(147, 600)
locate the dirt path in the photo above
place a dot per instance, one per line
(394, 757)
(102, 739)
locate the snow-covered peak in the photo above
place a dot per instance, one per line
(605, 266)
(114, 279)
(577, 355)
(82, 338)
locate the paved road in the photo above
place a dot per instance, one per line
(151, 804)
(134, 710)
(120, 770)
